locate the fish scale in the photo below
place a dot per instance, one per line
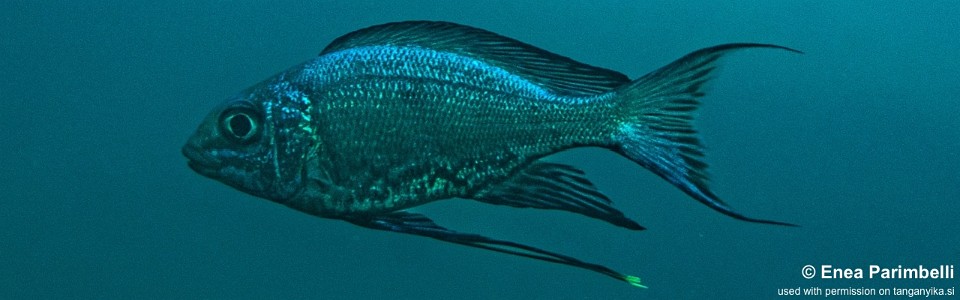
(373, 94)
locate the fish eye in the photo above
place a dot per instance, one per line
(241, 124)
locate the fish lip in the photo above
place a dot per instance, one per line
(199, 161)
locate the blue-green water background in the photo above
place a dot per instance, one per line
(858, 141)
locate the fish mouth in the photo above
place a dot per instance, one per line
(199, 161)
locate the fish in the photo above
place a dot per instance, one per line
(398, 115)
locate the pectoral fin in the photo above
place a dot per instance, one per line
(555, 186)
(417, 224)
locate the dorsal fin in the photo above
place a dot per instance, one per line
(557, 73)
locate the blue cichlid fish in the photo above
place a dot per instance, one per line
(402, 114)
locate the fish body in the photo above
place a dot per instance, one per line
(444, 127)
(402, 114)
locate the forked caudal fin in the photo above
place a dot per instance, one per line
(656, 130)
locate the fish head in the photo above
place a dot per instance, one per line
(254, 142)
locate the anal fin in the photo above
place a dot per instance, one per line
(547, 185)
